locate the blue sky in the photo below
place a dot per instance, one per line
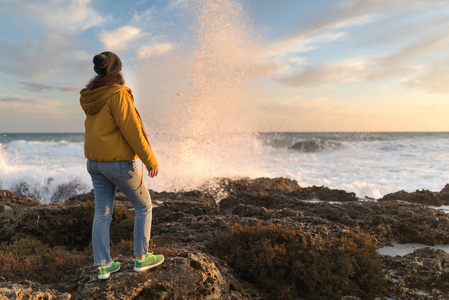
(348, 65)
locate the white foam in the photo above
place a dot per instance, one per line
(358, 167)
(44, 149)
(44, 170)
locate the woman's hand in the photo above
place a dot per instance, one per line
(153, 173)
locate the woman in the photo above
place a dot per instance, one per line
(114, 138)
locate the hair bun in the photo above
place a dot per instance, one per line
(107, 64)
(101, 61)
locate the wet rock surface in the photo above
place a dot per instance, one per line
(30, 291)
(315, 145)
(187, 222)
(188, 275)
(423, 274)
(421, 196)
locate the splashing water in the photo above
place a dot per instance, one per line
(205, 118)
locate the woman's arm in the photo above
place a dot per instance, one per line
(129, 123)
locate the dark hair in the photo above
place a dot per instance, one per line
(99, 81)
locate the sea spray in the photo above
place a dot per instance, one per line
(372, 164)
(201, 129)
(50, 170)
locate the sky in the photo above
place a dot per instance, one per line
(340, 65)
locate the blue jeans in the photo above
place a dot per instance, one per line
(106, 178)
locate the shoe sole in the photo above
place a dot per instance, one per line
(107, 275)
(148, 267)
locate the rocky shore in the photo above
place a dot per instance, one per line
(186, 226)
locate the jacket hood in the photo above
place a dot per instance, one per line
(93, 101)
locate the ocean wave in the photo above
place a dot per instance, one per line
(48, 148)
(51, 170)
(47, 171)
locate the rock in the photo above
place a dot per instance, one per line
(423, 274)
(386, 221)
(264, 184)
(420, 196)
(11, 199)
(190, 275)
(192, 220)
(67, 224)
(445, 190)
(29, 291)
(315, 145)
(324, 194)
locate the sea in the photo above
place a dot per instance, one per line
(51, 167)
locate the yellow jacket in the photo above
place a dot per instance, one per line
(113, 128)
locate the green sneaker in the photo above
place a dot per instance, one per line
(149, 262)
(105, 272)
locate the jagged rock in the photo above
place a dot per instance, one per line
(264, 184)
(315, 145)
(30, 291)
(190, 196)
(11, 199)
(420, 196)
(191, 220)
(67, 224)
(259, 186)
(445, 190)
(324, 194)
(386, 221)
(423, 274)
(191, 275)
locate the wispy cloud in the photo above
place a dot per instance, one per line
(173, 4)
(23, 113)
(36, 105)
(119, 39)
(405, 60)
(39, 87)
(346, 71)
(408, 58)
(433, 79)
(16, 99)
(67, 16)
(154, 50)
(50, 43)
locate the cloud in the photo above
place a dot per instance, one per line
(16, 99)
(19, 113)
(326, 27)
(405, 60)
(37, 105)
(174, 4)
(346, 71)
(50, 37)
(154, 50)
(119, 39)
(433, 79)
(299, 44)
(407, 56)
(67, 16)
(39, 87)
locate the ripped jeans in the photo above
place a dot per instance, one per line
(106, 178)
